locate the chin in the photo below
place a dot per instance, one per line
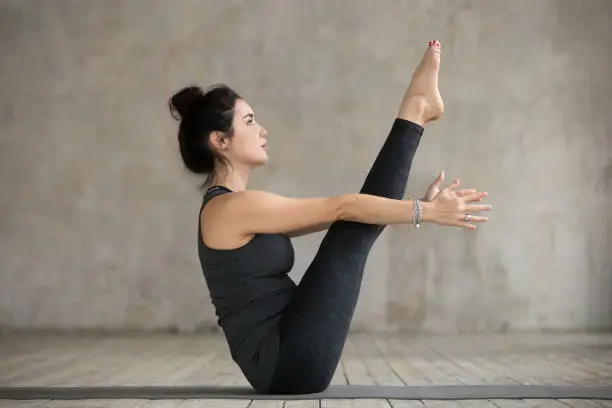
(260, 161)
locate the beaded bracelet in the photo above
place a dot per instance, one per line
(417, 218)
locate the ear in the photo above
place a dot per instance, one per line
(218, 140)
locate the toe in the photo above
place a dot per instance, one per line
(435, 46)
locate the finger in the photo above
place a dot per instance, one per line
(477, 208)
(465, 192)
(466, 225)
(475, 196)
(474, 218)
(440, 178)
(454, 185)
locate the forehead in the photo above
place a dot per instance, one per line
(242, 108)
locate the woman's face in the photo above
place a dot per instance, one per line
(248, 145)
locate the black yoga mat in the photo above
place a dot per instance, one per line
(435, 392)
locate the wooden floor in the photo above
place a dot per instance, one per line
(47, 360)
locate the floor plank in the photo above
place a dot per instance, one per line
(441, 404)
(339, 403)
(578, 403)
(22, 404)
(216, 403)
(406, 403)
(127, 403)
(538, 403)
(163, 404)
(302, 404)
(510, 403)
(371, 403)
(266, 404)
(476, 404)
(354, 367)
(375, 363)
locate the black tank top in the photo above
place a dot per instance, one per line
(249, 286)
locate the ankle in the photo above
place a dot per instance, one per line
(413, 109)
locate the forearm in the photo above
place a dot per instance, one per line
(371, 209)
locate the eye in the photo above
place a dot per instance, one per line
(250, 119)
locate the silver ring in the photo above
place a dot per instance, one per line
(467, 217)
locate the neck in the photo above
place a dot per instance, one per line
(235, 177)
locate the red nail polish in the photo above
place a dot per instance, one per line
(430, 43)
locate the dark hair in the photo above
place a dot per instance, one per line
(200, 113)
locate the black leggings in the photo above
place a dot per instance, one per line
(315, 324)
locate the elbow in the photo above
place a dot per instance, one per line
(344, 208)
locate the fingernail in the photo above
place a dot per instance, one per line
(430, 43)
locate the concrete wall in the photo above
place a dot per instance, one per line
(98, 221)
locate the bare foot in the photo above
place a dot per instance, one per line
(422, 102)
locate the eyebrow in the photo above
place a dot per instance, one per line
(247, 115)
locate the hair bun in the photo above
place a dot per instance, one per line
(184, 100)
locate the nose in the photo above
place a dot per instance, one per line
(263, 132)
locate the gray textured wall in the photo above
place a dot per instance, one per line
(98, 221)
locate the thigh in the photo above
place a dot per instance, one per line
(326, 296)
(316, 322)
(311, 343)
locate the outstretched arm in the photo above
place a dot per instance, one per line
(243, 214)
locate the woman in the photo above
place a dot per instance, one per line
(288, 338)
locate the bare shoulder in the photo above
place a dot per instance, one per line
(235, 201)
(221, 216)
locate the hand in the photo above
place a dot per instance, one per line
(434, 189)
(450, 208)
